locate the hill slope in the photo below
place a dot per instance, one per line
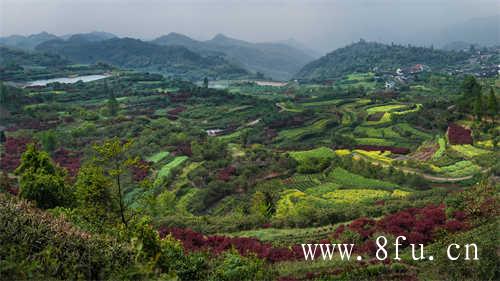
(93, 36)
(176, 61)
(11, 57)
(26, 42)
(277, 60)
(364, 56)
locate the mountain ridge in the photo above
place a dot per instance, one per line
(276, 60)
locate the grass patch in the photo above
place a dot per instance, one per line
(348, 179)
(468, 150)
(157, 157)
(322, 103)
(441, 149)
(320, 152)
(408, 129)
(461, 169)
(167, 168)
(384, 108)
(374, 141)
(356, 195)
(386, 118)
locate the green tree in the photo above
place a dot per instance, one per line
(492, 103)
(113, 105)
(42, 181)
(48, 140)
(95, 196)
(478, 106)
(3, 93)
(113, 157)
(3, 138)
(471, 92)
(259, 206)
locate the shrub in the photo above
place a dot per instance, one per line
(36, 245)
(458, 134)
(234, 267)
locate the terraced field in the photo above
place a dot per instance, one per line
(165, 170)
(320, 152)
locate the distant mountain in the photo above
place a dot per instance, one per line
(364, 56)
(277, 60)
(26, 42)
(31, 41)
(481, 31)
(136, 54)
(94, 36)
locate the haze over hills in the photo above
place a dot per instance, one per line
(277, 60)
(364, 56)
(280, 60)
(480, 31)
(26, 42)
(93, 36)
(31, 41)
(175, 61)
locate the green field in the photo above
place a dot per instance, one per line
(166, 169)
(348, 179)
(468, 151)
(157, 157)
(320, 152)
(384, 108)
(461, 169)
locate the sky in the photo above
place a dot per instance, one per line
(322, 25)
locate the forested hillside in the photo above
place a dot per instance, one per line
(365, 56)
(135, 54)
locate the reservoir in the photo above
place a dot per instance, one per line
(66, 80)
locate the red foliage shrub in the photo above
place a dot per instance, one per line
(418, 225)
(183, 149)
(68, 159)
(396, 150)
(226, 173)
(375, 116)
(454, 225)
(459, 215)
(11, 156)
(458, 134)
(140, 170)
(194, 241)
(176, 111)
(179, 97)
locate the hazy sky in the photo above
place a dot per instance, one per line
(323, 25)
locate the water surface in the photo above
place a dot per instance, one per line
(66, 80)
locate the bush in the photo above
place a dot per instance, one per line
(234, 267)
(36, 245)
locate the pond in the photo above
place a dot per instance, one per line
(66, 80)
